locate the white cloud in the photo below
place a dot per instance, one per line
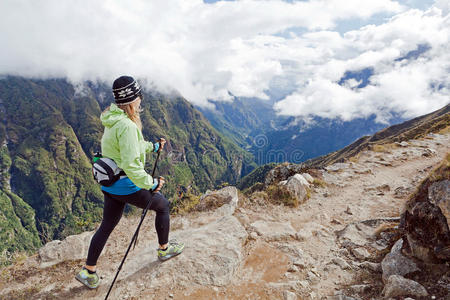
(206, 51)
(444, 5)
(202, 50)
(405, 87)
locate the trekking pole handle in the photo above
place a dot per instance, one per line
(160, 141)
(159, 184)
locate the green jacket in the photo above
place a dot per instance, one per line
(123, 142)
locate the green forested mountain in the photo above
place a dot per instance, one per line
(49, 130)
(242, 119)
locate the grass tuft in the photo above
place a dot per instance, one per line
(319, 182)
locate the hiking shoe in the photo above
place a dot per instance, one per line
(173, 249)
(89, 280)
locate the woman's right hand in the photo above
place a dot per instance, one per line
(160, 185)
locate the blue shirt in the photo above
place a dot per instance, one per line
(123, 186)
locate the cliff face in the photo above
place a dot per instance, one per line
(49, 131)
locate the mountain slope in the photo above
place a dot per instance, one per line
(241, 119)
(49, 169)
(50, 130)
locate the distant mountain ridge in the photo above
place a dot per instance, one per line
(254, 125)
(241, 119)
(412, 129)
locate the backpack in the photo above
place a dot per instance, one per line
(105, 170)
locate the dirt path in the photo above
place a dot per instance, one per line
(373, 186)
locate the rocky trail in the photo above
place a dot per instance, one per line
(329, 247)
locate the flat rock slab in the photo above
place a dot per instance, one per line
(211, 257)
(361, 233)
(273, 231)
(338, 167)
(358, 234)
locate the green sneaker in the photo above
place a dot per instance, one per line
(173, 249)
(89, 280)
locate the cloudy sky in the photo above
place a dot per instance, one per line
(297, 50)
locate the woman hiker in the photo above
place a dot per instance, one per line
(123, 142)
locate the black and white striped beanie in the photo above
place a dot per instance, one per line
(126, 89)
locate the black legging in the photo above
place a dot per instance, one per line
(112, 212)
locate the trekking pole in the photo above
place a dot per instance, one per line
(144, 211)
(135, 233)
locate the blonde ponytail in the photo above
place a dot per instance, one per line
(132, 112)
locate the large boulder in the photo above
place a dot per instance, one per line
(439, 194)
(308, 177)
(399, 286)
(71, 248)
(290, 192)
(427, 232)
(425, 217)
(297, 185)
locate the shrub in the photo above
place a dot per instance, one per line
(280, 195)
(185, 204)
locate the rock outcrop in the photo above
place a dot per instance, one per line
(424, 249)
(282, 172)
(71, 248)
(212, 255)
(439, 195)
(395, 263)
